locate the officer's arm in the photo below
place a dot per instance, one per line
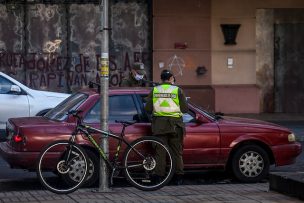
(182, 101)
(149, 104)
(124, 83)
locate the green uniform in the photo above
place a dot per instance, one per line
(131, 82)
(167, 103)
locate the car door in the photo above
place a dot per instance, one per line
(201, 142)
(11, 104)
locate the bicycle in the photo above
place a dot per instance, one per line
(63, 165)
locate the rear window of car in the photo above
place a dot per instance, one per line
(59, 113)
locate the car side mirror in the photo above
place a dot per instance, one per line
(15, 89)
(199, 118)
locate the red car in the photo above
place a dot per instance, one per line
(247, 147)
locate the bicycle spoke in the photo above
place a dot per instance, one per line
(138, 153)
(136, 165)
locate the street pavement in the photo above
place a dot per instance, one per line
(217, 193)
(215, 187)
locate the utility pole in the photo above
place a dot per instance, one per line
(104, 95)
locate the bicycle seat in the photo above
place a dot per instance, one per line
(125, 123)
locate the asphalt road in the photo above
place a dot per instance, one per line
(18, 180)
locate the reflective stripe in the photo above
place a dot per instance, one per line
(166, 101)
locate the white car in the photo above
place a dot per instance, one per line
(18, 100)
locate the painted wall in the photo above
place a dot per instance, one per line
(57, 46)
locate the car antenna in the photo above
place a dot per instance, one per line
(92, 84)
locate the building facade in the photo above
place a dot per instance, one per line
(230, 56)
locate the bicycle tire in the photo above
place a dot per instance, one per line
(53, 172)
(140, 171)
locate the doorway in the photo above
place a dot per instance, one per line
(289, 67)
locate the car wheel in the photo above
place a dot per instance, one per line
(93, 169)
(250, 163)
(92, 174)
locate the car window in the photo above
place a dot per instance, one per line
(71, 103)
(121, 107)
(203, 111)
(5, 85)
(188, 118)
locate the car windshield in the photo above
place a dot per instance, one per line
(205, 112)
(59, 113)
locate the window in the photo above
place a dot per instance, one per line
(71, 103)
(188, 118)
(121, 107)
(5, 85)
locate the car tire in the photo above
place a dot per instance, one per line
(250, 164)
(92, 174)
(93, 169)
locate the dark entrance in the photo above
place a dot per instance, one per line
(289, 67)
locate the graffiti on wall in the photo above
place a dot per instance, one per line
(130, 34)
(44, 70)
(59, 45)
(176, 64)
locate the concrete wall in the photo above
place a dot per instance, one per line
(252, 55)
(181, 43)
(57, 46)
(185, 35)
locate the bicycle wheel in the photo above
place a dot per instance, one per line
(62, 167)
(141, 161)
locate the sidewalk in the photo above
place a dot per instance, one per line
(214, 193)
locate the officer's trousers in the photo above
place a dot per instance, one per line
(175, 143)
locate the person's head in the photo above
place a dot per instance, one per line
(138, 71)
(167, 76)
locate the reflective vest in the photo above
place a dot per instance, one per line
(165, 101)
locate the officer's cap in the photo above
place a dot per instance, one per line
(165, 75)
(139, 68)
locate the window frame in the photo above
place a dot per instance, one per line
(12, 83)
(113, 95)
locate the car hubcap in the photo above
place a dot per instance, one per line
(76, 169)
(251, 164)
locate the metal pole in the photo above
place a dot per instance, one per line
(104, 95)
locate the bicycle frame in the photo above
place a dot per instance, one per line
(85, 130)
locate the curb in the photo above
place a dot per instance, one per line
(288, 183)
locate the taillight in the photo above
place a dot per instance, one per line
(17, 138)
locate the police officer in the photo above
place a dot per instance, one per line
(137, 76)
(167, 103)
